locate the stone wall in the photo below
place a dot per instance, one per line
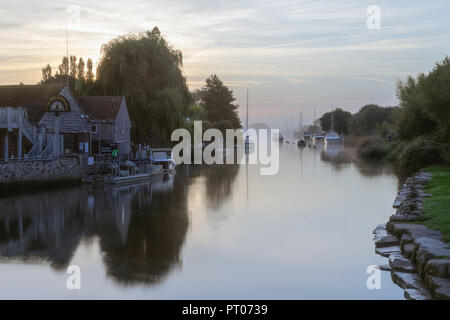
(41, 171)
(419, 260)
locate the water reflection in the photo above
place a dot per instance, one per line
(141, 228)
(342, 157)
(219, 231)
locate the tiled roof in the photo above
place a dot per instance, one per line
(30, 97)
(101, 108)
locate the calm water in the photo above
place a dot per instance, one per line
(209, 232)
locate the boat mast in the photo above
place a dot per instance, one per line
(301, 125)
(246, 125)
(332, 120)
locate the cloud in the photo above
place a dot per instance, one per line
(374, 79)
(276, 48)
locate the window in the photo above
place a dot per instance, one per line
(94, 128)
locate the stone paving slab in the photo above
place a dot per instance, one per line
(387, 251)
(440, 287)
(398, 262)
(382, 238)
(406, 280)
(417, 294)
(409, 249)
(438, 267)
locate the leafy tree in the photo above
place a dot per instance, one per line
(412, 120)
(217, 101)
(313, 129)
(90, 71)
(196, 112)
(369, 118)
(147, 71)
(338, 120)
(63, 68)
(73, 67)
(47, 74)
(80, 67)
(435, 94)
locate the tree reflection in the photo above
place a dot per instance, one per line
(141, 228)
(341, 157)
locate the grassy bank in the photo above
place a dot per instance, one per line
(437, 207)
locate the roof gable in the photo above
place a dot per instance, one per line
(30, 97)
(101, 107)
(75, 121)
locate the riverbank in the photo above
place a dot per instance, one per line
(437, 207)
(419, 256)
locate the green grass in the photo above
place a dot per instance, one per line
(437, 207)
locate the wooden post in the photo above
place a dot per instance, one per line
(99, 138)
(6, 146)
(19, 138)
(21, 230)
(56, 138)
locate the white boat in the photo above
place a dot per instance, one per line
(162, 156)
(318, 139)
(332, 138)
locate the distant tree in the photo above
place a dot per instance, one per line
(369, 118)
(196, 112)
(73, 67)
(90, 71)
(338, 120)
(63, 68)
(217, 101)
(313, 129)
(47, 74)
(80, 69)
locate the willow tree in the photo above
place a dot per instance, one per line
(148, 72)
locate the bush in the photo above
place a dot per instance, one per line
(418, 154)
(372, 148)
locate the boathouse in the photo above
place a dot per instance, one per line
(110, 121)
(45, 121)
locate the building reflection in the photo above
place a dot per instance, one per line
(140, 228)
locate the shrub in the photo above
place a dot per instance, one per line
(418, 154)
(372, 148)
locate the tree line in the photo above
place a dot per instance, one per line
(148, 71)
(370, 120)
(412, 135)
(79, 74)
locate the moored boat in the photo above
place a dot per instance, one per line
(332, 138)
(163, 157)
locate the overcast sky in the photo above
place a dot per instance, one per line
(309, 54)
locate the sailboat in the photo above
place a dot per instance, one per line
(332, 137)
(301, 142)
(248, 142)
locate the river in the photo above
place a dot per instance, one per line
(208, 232)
